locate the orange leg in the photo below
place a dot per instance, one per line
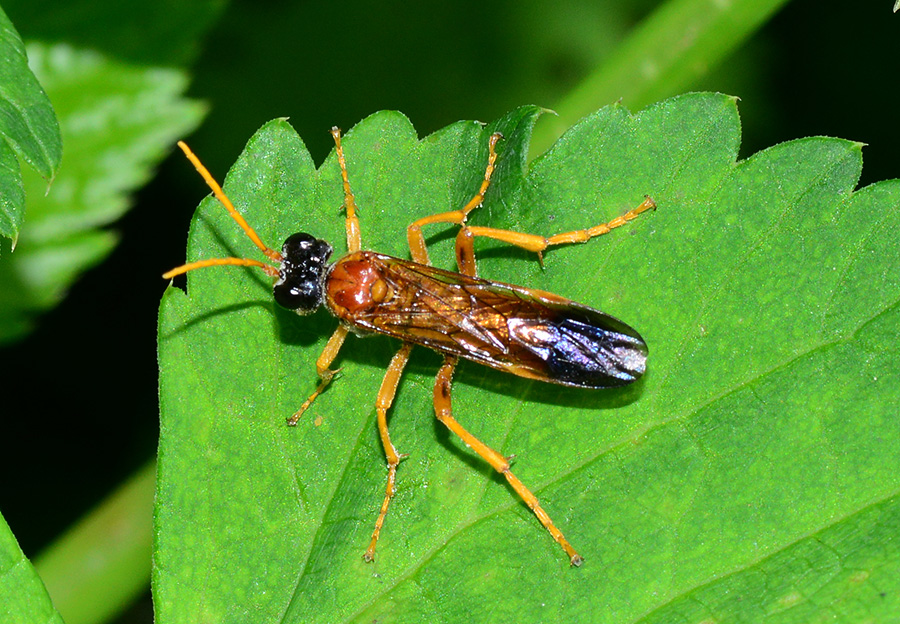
(465, 249)
(382, 404)
(353, 237)
(329, 353)
(499, 463)
(414, 232)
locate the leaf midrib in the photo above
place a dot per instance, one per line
(624, 442)
(768, 555)
(705, 308)
(703, 311)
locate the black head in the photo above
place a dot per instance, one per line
(300, 285)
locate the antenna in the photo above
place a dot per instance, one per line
(251, 233)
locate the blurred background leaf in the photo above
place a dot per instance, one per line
(324, 65)
(28, 128)
(117, 121)
(22, 595)
(141, 32)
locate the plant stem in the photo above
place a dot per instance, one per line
(102, 563)
(673, 47)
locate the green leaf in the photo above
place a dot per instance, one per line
(118, 122)
(764, 429)
(23, 597)
(841, 572)
(27, 125)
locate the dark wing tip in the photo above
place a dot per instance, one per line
(586, 348)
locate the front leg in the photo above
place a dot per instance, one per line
(329, 353)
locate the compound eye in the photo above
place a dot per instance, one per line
(303, 249)
(301, 296)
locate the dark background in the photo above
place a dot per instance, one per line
(80, 399)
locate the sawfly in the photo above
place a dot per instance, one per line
(527, 332)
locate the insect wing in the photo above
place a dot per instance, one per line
(527, 332)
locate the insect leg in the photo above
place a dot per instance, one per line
(325, 374)
(442, 410)
(382, 404)
(353, 238)
(414, 232)
(533, 242)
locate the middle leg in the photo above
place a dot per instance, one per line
(414, 236)
(465, 248)
(382, 404)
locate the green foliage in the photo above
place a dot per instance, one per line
(118, 121)
(28, 128)
(22, 595)
(139, 31)
(751, 475)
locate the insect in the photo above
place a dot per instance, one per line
(527, 332)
